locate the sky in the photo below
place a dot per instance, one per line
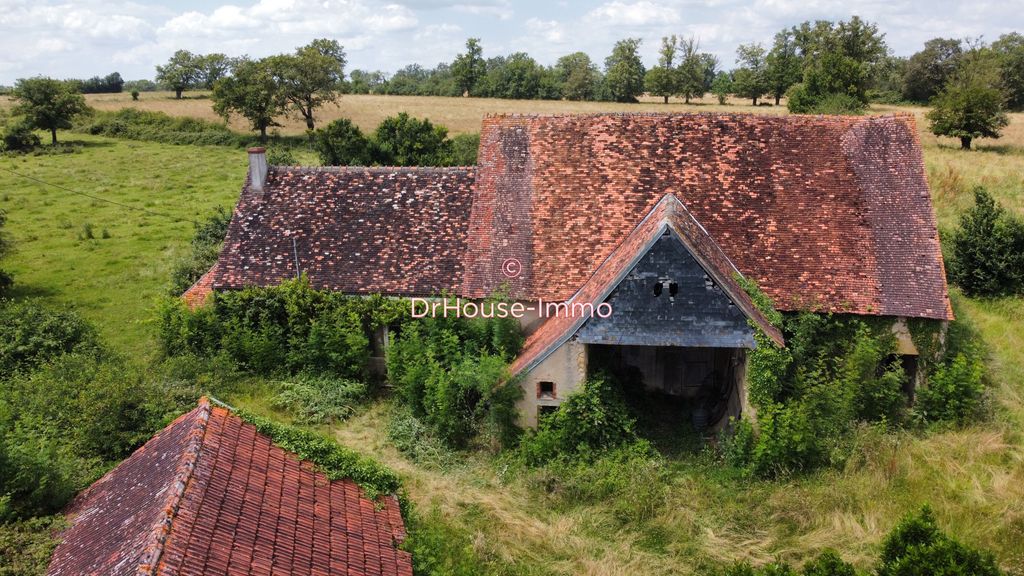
(80, 39)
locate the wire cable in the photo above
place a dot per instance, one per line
(98, 198)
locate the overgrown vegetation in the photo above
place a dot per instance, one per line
(398, 141)
(206, 242)
(988, 249)
(133, 124)
(835, 372)
(449, 372)
(280, 330)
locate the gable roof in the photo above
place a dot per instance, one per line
(210, 495)
(824, 212)
(356, 230)
(668, 214)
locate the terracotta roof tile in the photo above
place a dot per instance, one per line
(357, 230)
(210, 495)
(828, 213)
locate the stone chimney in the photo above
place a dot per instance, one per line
(257, 168)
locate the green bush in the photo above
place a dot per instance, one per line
(916, 546)
(320, 399)
(406, 141)
(134, 124)
(828, 563)
(26, 546)
(280, 330)
(448, 372)
(416, 441)
(19, 137)
(280, 156)
(954, 391)
(342, 143)
(31, 334)
(438, 548)
(988, 250)
(590, 421)
(801, 100)
(203, 251)
(464, 149)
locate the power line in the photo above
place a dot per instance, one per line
(99, 199)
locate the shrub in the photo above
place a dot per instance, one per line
(416, 441)
(134, 124)
(406, 141)
(439, 548)
(988, 250)
(26, 546)
(320, 399)
(828, 563)
(342, 143)
(801, 100)
(278, 156)
(464, 149)
(917, 546)
(449, 373)
(31, 335)
(954, 391)
(19, 137)
(593, 420)
(135, 94)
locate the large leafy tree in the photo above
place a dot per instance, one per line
(251, 92)
(48, 104)
(212, 67)
(928, 70)
(971, 104)
(784, 65)
(182, 71)
(311, 77)
(750, 80)
(578, 76)
(663, 79)
(470, 67)
(624, 71)
(1010, 50)
(692, 66)
(839, 60)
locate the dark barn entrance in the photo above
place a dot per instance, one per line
(675, 341)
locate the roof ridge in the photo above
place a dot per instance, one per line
(182, 477)
(708, 113)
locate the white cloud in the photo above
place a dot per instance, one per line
(642, 13)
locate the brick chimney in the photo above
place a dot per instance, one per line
(257, 168)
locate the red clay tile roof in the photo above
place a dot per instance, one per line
(824, 212)
(198, 293)
(210, 495)
(669, 213)
(356, 230)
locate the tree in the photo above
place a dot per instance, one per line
(342, 143)
(692, 68)
(750, 80)
(406, 141)
(663, 79)
(928, 70)
(1010, 50)
(971, 104)
(988, 250)
(470, 67)
(181, 72)
(516, 77)
(624, 71)
(784, 66)
(721, 87)
(47, 104)
(311, 77)
(212, 67)
(578, 76)
(251, 92)
(839, 62)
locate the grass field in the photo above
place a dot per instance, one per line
(974, 478)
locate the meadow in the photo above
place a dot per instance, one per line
(111, 263)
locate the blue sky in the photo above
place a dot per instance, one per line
(84, 38)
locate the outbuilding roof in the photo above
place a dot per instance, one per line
(211, 495)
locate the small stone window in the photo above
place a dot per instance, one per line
(673, 289)
(546, 390)
(657, 289)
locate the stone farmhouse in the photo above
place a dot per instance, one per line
(654, 216)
